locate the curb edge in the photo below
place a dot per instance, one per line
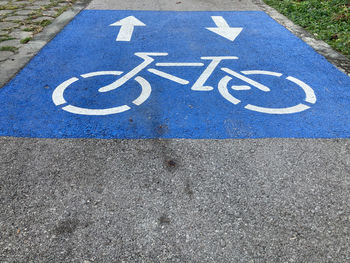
(338, 60)
(11, 66)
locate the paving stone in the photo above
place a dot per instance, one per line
(25, 2)
(10, 43)
(50, 13)
(42, 2)
(24, 12)
(5, 12)
(15, 18)
(4, 32)
(42, 18)
(19, 34)
(5, 55)
(23, 27)
(14, 29)
(6, 25)
(29, 2)
(34, 7)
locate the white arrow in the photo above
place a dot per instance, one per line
(127, 27)
(223, 29)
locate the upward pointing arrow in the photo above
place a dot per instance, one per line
(223, 29)
(127, 27)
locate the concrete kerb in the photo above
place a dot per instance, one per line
(15, 63)
(321, 47)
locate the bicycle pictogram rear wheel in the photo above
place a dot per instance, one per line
(59, 100)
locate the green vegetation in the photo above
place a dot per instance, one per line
(25, 40)
(61, 10)
(29, 29)
(9, 7)
(45, 22)
(35, 14)
(34, 19)
(8, 48)
(328, 20)
(5, 38)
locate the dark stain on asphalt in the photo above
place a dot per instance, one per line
(188, 189)
(99, 188)
(171, 163)
(66, 227)
(164, 220)
(170, 160)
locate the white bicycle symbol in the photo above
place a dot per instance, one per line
(58, 93)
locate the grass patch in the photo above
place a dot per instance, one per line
(61, 10)
(45, 23)
(29, 29)
(36, 14)
(8, 48)
(327, 20)
(32, 27)
(9, 7)
(2, 39)
(52, 4)
(25, 40)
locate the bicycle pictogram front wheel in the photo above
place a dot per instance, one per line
(310, 96)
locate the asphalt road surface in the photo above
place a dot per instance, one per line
(174, 200)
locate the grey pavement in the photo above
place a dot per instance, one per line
(175, 5)
(252, 200)
(263, 200)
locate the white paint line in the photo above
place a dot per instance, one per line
(168, 76)
(220, 21)
(249, 81)
(199, 84)
(298, 108)
(309, 92)
(220, 58)
(101, 73)
(179, 64)
(96, 112)
(57, 95)
(145, 93)
(127, 27)
(223, 29)
(146, 56)
(222, 87)
(243, 87)
(261, 72)
(125, 33)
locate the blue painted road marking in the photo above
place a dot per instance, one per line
(147, 74)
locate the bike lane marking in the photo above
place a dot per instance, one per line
(127, 27)
(223, 29)
(212, 87)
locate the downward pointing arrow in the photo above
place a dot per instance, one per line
(127, 27)
(223, 29)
